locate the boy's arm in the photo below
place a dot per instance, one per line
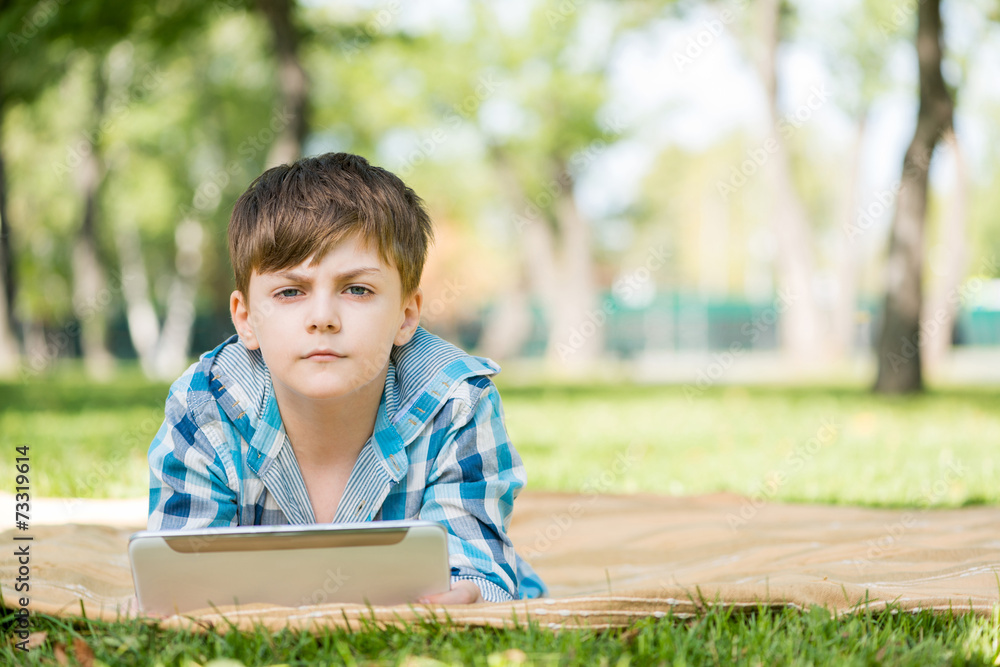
(471, 490)
(188, 483)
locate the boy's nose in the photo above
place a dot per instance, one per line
(323, 316)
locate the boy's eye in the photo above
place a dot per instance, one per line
(364, 290)
(285, 292)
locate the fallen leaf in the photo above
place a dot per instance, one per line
(59, 651)
(82, 652)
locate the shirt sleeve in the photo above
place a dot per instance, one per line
(471, 490)
(188, 483)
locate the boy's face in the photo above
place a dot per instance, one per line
(325, 331)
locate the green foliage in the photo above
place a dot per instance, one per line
(720, 636)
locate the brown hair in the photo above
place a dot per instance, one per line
(293, 211)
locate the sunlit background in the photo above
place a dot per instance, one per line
(615, 188)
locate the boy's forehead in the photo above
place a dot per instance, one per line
(366, 263)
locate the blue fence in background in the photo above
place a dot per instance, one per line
(677, 322)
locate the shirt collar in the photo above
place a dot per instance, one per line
(421, 376)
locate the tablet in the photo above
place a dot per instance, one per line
(378, 563)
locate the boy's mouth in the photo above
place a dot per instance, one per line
(324, 355)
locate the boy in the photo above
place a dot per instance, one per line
(331, 403)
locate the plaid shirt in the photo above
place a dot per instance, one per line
(439, 452)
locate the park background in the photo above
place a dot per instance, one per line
(685, 191)
(651, 205)
(742, 247)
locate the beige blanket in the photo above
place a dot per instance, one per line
(609, 560)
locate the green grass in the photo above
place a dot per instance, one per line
(827, 445)
(939, 449)
(85, 440)
(758, 637)
(840, 445)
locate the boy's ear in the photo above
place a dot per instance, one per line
(411, 317)
(239, 310)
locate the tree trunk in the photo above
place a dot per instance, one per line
(508, 327)
(801, 328)
(90, 295)
(140, 314)
(942, 307)
(713, 247)
(9, 354)
(845, 307)
(536, 260)
(899, 358)
(175, 338)
(560, 277)
(9, 276)
(162, 352)
(292, 83)
(576, 336)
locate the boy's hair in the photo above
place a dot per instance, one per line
(293, 211)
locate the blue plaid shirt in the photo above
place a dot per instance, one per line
(439, 452)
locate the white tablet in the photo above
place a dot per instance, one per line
(378, 563)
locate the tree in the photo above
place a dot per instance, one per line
(293, 84)
(899, 353)
(802, 329)
(537, 166)
(9, 352)
(48, 39)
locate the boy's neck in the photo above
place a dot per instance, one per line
(332, 430)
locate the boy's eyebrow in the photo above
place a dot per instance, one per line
(307, 277)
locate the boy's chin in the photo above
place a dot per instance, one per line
(319, 390)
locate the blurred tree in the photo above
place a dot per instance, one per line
(89, 275)
(899, 353)
(804, 334)
(514, 111)
(855, 53)
(293, 83)
(48, 38)
(224, 99)
(9, 352)
(43, 62)
(556, 87)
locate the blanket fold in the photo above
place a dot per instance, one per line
(612, 559)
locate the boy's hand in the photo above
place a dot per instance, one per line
(462, 592)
